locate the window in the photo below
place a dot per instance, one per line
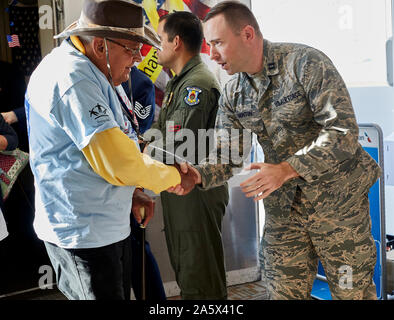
(355, 34)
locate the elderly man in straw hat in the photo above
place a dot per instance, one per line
(84, 151)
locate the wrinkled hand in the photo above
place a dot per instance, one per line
(189, 178)
(142, 200)
(270, 178)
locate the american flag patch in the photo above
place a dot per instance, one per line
(13, 40)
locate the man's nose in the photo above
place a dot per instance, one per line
(213, 54)
(138, 57)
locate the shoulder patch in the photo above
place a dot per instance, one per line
(192, 96)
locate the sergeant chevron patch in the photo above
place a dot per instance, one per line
(141, 111)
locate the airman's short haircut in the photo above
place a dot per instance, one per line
(236, 14)
(187, 26)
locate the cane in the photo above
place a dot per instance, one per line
(142, 212)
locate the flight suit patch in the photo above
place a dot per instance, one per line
(175, 128)
(192, 96)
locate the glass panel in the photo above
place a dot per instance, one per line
(353, 33)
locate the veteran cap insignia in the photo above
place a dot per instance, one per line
(192, 96)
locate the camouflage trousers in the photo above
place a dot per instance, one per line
(294, 242)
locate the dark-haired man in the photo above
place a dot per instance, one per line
(192, 222)
(316, 176)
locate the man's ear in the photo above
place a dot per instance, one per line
(248, 33)
(98, 47)
(177, 43)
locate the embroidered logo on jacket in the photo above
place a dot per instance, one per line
(192, 97)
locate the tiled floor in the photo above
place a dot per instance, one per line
(247, 291)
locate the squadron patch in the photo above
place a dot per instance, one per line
(192, 96)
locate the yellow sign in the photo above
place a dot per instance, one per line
(149, 65)
(176, 5)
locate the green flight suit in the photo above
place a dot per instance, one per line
(193, 222)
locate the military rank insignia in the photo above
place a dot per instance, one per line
(192, 96)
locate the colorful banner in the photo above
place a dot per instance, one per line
(149, 65)
(154, 9)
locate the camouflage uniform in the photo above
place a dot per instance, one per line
(193, 222)
(300, 110)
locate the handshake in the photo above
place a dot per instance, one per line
(189, 178)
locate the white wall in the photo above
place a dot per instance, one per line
(72, 11)
(376, 105)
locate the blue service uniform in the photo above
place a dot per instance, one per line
(143, 93)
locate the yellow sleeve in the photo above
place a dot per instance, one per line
(116, 158)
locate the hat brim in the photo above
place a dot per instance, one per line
(149, 38)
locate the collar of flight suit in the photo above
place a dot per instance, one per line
(187, 67)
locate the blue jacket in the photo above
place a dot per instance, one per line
(143, 92)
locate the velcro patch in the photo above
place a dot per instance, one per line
(192, 96)
(175, 128)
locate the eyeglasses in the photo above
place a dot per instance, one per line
(134, 52)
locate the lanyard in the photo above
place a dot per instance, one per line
(128, 110)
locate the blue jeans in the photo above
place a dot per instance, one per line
(94, 273)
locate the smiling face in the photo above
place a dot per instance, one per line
(121, 59)
(226, 46)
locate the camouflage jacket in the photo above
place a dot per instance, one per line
(300, 110)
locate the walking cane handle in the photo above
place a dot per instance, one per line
(142, 213)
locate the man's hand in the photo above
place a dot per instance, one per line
(270, 178)
(9, 117)
(142, 200)
(3, 143)
(189, 178)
